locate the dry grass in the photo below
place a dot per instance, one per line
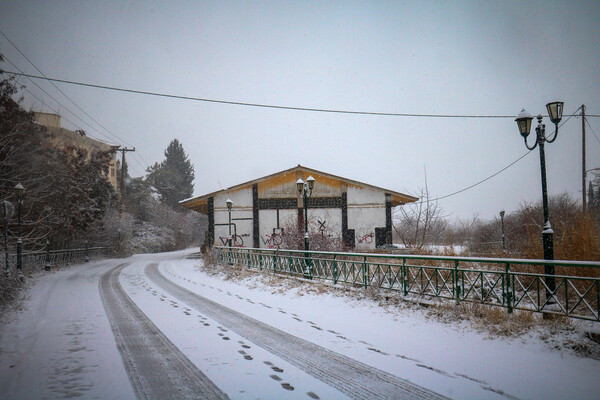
(560, 333)
(495, 321)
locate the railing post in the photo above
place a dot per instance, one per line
(404, 277)
(457, 281)
(335, 269)
(508, 290)
(365, 271)
(87, 255)
(566, 285)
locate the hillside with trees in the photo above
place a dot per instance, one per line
(69, 200)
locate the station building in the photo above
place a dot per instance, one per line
(359, 213)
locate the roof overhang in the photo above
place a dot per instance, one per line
(200, 203)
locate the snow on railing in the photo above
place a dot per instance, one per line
(573, 291)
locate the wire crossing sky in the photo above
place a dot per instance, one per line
(376, 92)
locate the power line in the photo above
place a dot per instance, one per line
(500, 171)
(49, 95)
(143, 168)
(57, 102)
(68, 98)
(240, 103)
(46, 105)
(63, 93)
(484, 180)
(593, 131)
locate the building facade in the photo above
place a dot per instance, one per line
(62, 137)
(263, 209)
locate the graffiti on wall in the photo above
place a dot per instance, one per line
(236, 240)
(368, 238)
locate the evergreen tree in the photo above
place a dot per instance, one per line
(173, 178)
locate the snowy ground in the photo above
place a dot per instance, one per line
(61, 345)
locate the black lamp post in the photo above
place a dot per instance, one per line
(229, 206)
(555, 110)
(47, 265)
(20, 193)
(502, 221)
(7, 213)
(305, 189)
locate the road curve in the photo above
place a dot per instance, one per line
(355, 379)
(156, 368)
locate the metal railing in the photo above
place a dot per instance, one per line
(57, 257)
(515, 284)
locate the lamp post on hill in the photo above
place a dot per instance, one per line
(555, 110)
(20, 193)
(502, 222)
(305, 189)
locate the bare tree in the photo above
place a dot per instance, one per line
(420, 223)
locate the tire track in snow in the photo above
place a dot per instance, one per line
(157, 369)
(355, 379)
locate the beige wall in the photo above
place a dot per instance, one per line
(62, 137)
(46, 119)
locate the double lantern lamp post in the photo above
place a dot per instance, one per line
(305, 189)
(555, 111)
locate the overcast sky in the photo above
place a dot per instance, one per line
(466, 58)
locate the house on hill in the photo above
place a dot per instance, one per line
(62, 138)
(359, 213)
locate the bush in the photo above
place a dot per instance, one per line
(576, 234)
(293, 239)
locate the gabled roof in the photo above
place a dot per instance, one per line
(200, 203)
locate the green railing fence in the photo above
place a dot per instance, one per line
(56, 257)
(515, 284)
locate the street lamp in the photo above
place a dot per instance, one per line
(20, 193)
(7, 213)
(555, 110)
(305, 189)
(47, 265)
(229, 206)
(502, 220)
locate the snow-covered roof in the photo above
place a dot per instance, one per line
(200, 203)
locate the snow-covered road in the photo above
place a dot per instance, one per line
(154, 326)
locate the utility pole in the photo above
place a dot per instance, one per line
(121, 192)
(583, 171)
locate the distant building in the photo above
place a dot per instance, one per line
(62, 137)
(359, 213)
